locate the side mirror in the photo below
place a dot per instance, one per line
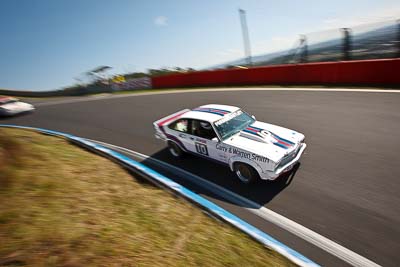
(215, 139)
(254, 117)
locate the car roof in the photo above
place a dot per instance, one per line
(210, 112)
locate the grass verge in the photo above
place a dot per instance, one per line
(63, 206)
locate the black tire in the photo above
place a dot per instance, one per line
(245, 173)
(175, 150)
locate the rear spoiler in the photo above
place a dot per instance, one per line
(170, 118)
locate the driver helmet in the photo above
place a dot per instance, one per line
(205, 125)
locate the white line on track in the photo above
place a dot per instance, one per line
(181, 91)
(263, 212)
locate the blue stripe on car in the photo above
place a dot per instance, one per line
(208, 111)
(275, 135)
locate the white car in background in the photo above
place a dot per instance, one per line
(11, 106)
(252, 149)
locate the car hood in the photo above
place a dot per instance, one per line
(268, 140)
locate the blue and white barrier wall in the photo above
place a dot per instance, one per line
(178, 189)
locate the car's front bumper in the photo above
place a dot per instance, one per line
(272, 175)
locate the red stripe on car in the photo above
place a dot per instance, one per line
(161, 123)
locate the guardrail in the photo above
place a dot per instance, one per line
(382, 72)
(179, 190)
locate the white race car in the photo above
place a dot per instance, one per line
(11, 106)
(252, 149)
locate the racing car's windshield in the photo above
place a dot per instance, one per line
(233, 123)
(7, 101)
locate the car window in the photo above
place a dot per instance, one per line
(233, 123)
(180, 125)
(8, 101)
(203, 129)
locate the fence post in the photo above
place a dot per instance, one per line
(304, 49)
(398, 38)
(346, 47)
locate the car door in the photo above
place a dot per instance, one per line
(178, 132)
(205, 141)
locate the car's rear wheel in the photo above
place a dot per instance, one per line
(175, 150)
(245, 173)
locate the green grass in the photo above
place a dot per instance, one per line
(63, 206)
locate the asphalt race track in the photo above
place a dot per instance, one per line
(346, 187)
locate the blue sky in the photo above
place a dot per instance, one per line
(46, 44)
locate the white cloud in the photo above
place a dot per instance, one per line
(161, 21)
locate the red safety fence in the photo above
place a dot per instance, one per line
(363, 72)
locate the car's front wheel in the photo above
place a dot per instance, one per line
(175, 150)
(245, 173)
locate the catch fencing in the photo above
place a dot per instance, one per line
(381, 72)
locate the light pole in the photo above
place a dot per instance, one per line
(304, 49)
(246, 39)
(346, 47)
(398, 37)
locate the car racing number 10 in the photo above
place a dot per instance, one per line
(201, 149)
